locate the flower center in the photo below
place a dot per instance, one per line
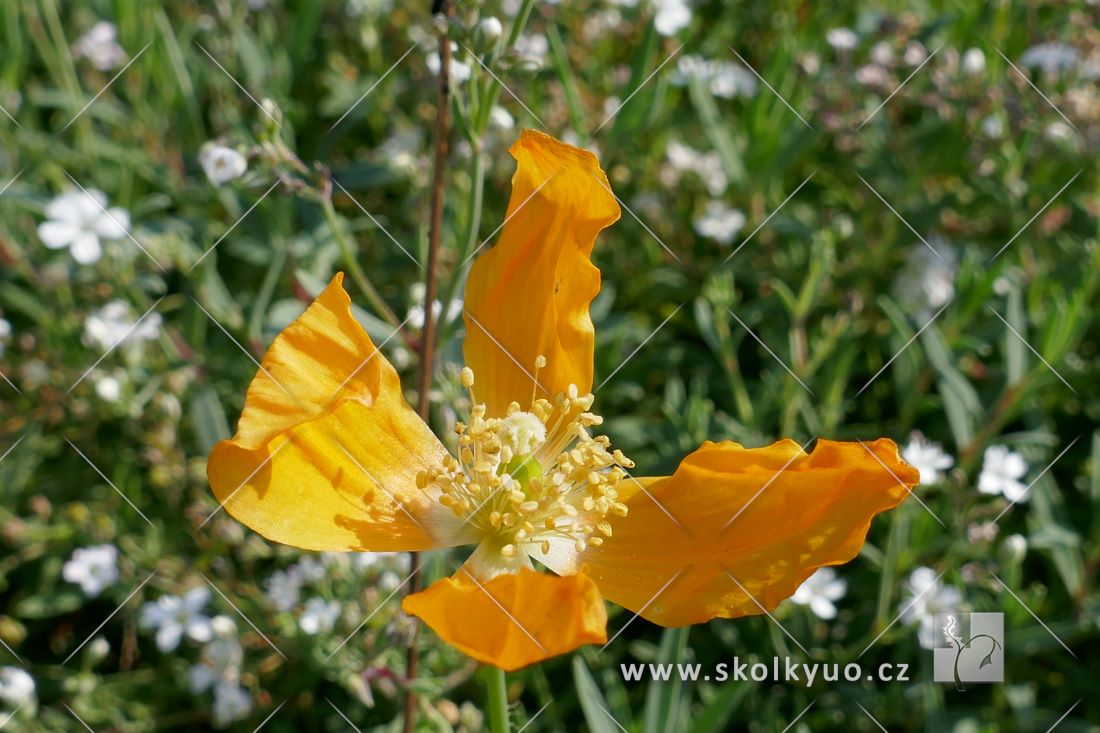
(533, 476)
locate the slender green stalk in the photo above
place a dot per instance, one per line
(498, 701)
(470, 231)
(352, 263)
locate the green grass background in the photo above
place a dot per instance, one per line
(816, 283)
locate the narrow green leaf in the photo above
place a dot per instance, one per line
(592, 700)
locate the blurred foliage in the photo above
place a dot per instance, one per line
(814, 321)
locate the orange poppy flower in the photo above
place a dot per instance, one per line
(329, 456)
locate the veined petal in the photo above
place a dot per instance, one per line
(678, 559)
(327, 450)
(529, 294)
(515, 619)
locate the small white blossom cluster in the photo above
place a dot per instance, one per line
(100, 46)
(726, 79)
(92, 568)
(221, 164)
(708, 166)
(926, 595)
(17, 688)
(927, 457)
(820, 592)
(927, 281)
(719, 222)
(113, 324)
(79, 221)
(415, 314)
(671, 16)
(1001, 471)
(460, 70)
(284, 587)
(173, 618)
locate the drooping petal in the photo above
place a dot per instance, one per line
(327, 450)
(734, 527)
(529, 294)
(515, 619)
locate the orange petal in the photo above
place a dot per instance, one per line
(515, 619)
(327, 450)
(677, 558)
(529, 294)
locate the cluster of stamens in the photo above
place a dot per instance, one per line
(533, 475)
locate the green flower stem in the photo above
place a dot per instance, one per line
(357, 273)
(498, 701)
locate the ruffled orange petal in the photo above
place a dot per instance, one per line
(529, 294)
(734, 531)
(515, 619)
(327, 450)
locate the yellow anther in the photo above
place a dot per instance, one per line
(533, 473)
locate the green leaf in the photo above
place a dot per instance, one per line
(1015, 349)
(717, 131)
(665, 698)
(208, 418)
(592, 700)
(715, 715)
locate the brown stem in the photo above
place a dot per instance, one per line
(427, 343)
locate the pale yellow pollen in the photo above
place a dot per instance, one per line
(532, 476)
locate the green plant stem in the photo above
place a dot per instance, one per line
(498, 701)
(356, 271)
(470, 232)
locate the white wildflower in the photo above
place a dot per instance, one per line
(1051, 58)
(92, 568)
(819, 591)
(501, 118)
(533, 48)
(915, 54)
(460, 70)
(319, 616)
(1002, 470)
(726, 79)
(973, 61)
(100, 46)
(79, 221)
(284, 589)
(842, 39)
(882, 53)
(17, 687)
(112, 324)
(221, 164)
(927, 457)
(174, 616)
(671, 16)
(108, 387)
(927, 281)
(490, 28)
(231, 703)
(925, 596)
(719, 222)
